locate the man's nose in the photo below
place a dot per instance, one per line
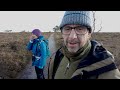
(73, 34)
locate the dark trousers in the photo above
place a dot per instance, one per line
(39, 73)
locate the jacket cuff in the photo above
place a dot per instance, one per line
(31, 41)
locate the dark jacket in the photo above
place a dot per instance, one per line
(99, 64)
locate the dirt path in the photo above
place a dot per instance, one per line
(52, 47)
(29, 71)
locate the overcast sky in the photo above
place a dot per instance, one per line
(46, 20)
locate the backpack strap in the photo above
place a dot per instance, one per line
(57, 60)
(99, 71)
(37, 48)
(87, 74)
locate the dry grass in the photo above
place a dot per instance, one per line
(110, 41)
(58, 39)
(14, 56)
(13, 53)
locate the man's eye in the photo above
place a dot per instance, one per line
(67, 28)
(79, 28)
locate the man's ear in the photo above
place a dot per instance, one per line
(89, 35)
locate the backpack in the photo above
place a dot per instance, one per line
(47, 46)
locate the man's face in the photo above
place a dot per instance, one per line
(75, 37)
(34, 36)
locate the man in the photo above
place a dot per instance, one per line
(80, 57)
(38, 48)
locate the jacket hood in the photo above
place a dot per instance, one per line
(99, 51)
(41, 37)
(38, 39)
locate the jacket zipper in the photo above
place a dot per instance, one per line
(67, 67)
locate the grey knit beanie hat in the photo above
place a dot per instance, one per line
(77, 17)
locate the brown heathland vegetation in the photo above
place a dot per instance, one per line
(14, 56)
(13, 53)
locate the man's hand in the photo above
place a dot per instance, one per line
(33, 37)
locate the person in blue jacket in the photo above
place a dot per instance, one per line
(37, 46)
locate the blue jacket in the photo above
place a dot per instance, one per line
(38, 51)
